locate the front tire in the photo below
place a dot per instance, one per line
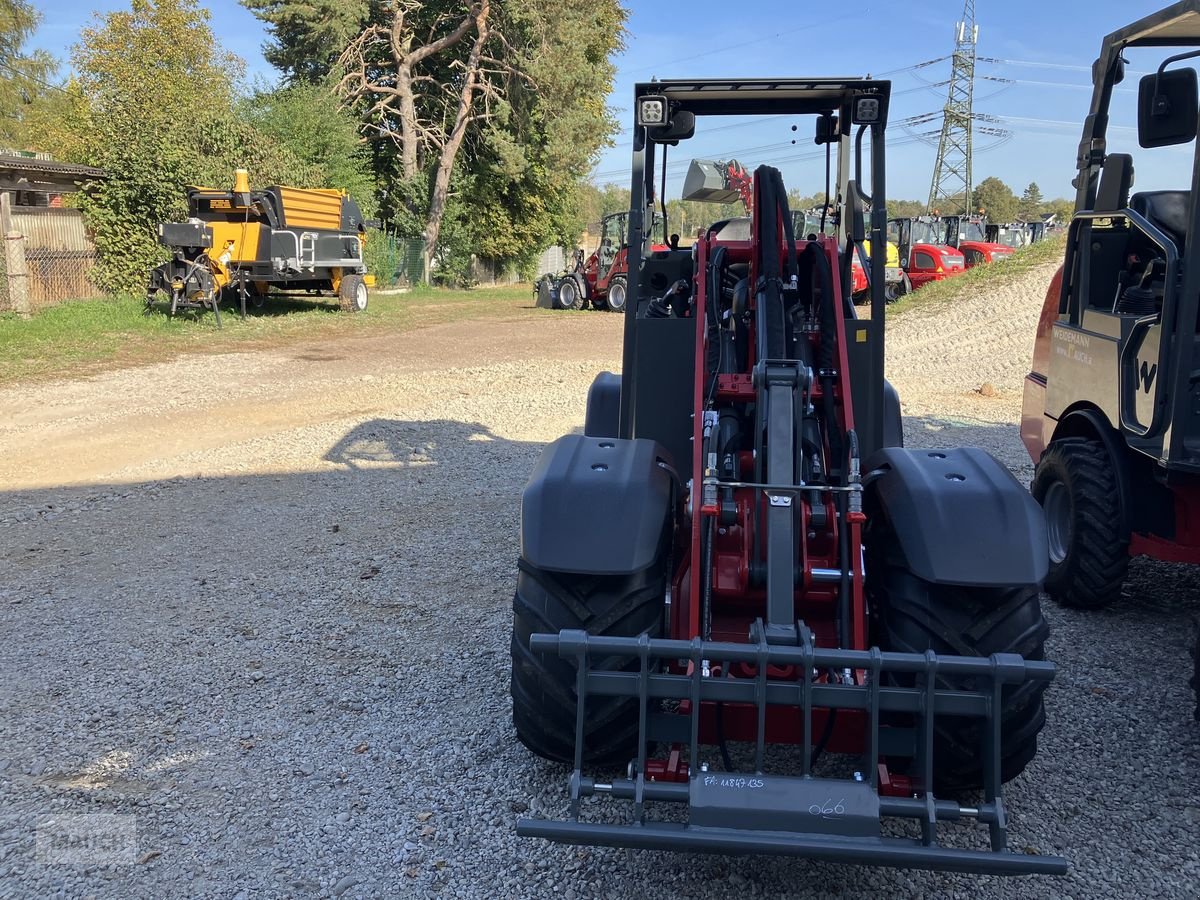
(1076, 484)
(915, 616)
(543, 685)
(571, 294)
(618, 294)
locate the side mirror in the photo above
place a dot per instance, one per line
(827, 128)
(681, 127)
(1167, 108)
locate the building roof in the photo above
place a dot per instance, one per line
(48, 167)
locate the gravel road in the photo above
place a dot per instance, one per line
(261, 603)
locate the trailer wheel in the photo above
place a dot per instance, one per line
(543, 686)
(618, 292)
(916, 616)
(352, 293)
(571, 293)
(1089, 549)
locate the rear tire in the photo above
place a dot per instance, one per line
(352, 294)
(915, 616)
(1076, 485)
(543, 685)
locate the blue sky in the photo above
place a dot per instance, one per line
(1040, 44)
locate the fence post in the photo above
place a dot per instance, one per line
(14, 258)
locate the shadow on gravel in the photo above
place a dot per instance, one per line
(291, 679)
(391, 442)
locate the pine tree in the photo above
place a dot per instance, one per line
(1031, 203)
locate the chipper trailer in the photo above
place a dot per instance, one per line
(798, 637)
(1111, 412)
(240, 244)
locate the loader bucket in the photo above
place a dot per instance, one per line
(796, 814)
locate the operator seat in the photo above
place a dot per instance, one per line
(1166, 210)
(1116, 178)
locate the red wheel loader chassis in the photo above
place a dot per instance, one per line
(797, 630)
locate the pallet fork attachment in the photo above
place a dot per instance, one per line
(832, 819)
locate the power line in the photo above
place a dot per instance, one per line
(34, 78)
(725, 48)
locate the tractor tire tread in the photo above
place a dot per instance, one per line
(1092, 574)
(543, 686)
(971, 621)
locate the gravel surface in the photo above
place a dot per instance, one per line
(261, 604)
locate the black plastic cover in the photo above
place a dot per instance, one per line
(596, 506)
(958, 516)
(185, 234)
(603, 417)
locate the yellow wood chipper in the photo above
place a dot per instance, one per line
(241, 244)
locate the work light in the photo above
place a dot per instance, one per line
(866, 110)
(652, 111)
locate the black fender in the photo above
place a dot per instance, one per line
(957, 516)
(603, 418)
(596, 506)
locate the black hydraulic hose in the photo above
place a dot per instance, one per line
(713, 316)
(823, 741)
(844, 544)
(789, 228)
(725, 760)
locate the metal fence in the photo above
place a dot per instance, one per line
(395, 261)
(47, 258)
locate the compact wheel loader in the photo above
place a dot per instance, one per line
(239, 245)
(798, 637)
(1111, 404)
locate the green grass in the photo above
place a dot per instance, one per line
(1050, 250)
(88, 336)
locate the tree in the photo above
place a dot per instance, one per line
(24, 78)
(387, 70)
(481, 117)
(152, 103)
(597, 202)
(1061, 207)
(995, 199)
(906, 209)
(303, 119)
(307, 36)
(1031, 203)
